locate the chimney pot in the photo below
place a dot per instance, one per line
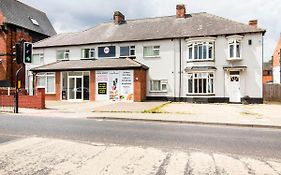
(118, 17)
(181, 11)
(253, 23)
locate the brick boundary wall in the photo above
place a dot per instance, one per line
(26, 101)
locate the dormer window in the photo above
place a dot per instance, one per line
(234, 48)
(34, 21)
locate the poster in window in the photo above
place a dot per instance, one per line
(102, 88)
(114, 85)
(127, 89)
(108, 51)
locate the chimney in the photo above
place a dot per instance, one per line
(180, 11)
(253, 23)
(118, 17)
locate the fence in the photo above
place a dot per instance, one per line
(6, 99)
(272, 92)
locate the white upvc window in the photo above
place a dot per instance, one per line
(158, 85)
(62, 55)
(200, 83)
(200, 50)
(151, 51)
(38, 59)
(88, 53)
(234, 47)
(48, 81)
(127, 51)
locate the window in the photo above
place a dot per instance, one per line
(34, 21)
(127, 51)
(234, 48)
(47, 80)
(88, 53)
(158, 85)
(37, 59)
(200, 83)
(200, 51)
(151, 51)
(107, 52)
(62, 55)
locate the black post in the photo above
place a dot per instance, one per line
(16, 98)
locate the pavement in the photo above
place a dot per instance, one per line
(257, 115)
(51, 156)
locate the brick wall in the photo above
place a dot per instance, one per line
(26, 101)
(276, 55)
(139, 85)
(92, 85)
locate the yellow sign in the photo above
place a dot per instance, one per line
(19, 84)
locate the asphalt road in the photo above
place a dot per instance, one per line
(255, 142)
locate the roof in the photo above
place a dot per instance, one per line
(194, 25)
(75, 65)
(20, 14)
(267, 65)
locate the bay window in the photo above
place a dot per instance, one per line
(200, 50)
(158, 85)
(151, 51)
(47, 80)
(200, 83)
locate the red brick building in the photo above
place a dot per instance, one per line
(277, 62)
(19, 21)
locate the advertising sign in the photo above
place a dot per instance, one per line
(102, 88)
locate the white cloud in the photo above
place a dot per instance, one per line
(70, 15)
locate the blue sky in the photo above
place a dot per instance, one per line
(73, 15)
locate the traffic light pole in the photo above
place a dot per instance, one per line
(16, 97)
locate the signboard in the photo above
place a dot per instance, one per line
(108, 51)
(102, 88)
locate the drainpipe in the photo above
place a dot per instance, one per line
(280, 65)
(175, 75)
(180, 83)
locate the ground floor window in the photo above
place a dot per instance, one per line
(47, 80)
(158, 85)
(200, 83)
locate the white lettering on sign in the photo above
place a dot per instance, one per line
(106, 50)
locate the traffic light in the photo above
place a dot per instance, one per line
(19, 52)
(27, 54)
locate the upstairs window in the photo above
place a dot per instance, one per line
(88, 53)
(37, 59)
(127, 51)
(62, 55)
(200, 50)
(234, 49)
(151, 51)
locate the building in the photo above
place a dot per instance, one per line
(267, 72)
(277, 62)
(195, 57)
(19, 21)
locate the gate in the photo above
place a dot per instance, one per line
(7, 99)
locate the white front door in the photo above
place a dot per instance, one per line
(235, 94)
(75, 88)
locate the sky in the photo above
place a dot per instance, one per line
(74, 15)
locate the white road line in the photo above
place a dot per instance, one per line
(229, 165)
(259, 167)
(202, 163)
(275, 165)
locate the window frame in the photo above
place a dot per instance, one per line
(45, 76)
(198, 49)
(191, 76)
(154, 48)
(161, 82)
(130, 49)
(66, 54)
(90, 51)
(41, 58)
(235, 41)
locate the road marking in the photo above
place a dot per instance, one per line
(229, 165)
(202, 163)
(262, 167)
(177, 164)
